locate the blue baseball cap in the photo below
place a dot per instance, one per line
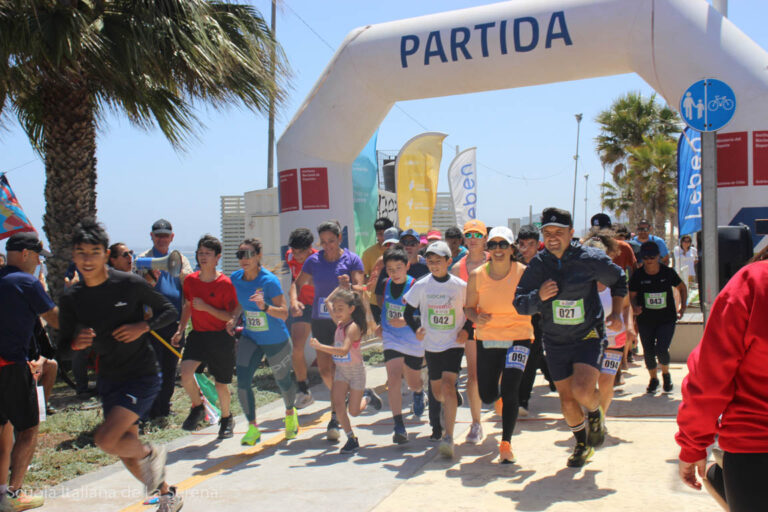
(409, 232)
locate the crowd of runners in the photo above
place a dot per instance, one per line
(507, 304)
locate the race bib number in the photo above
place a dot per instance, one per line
(443, 319)
(611, 363)
(395, 311)
(322, 308)
(343, 359)
(568, 312)
(655, 300)
(256, 321)
(517, 357)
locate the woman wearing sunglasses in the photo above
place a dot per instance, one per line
(474, 238)
(503, 336)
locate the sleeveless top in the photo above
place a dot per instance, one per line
(495, 297)
(616, 339)
(463, 273)
(354, 356)
(401, 339)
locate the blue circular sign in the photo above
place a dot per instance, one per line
(708, 105)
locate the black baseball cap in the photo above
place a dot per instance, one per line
(556, 217)
(600, 220)
(26, 240)
(649, 249)
(162, 227)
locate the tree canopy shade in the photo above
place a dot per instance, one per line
(65, 63)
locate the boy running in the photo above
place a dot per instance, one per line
(209, 299)
(440, 299)
(106, 311)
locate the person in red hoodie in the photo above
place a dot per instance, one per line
(725, 392)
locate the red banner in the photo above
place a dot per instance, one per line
(314, 188)
(760, 157)
(732, 159)
(289, 190)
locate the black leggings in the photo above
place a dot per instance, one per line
(491, 365)
(656, 339)
(741, 482)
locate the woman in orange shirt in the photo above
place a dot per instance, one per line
(503, 336)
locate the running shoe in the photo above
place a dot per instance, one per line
(351, 446)
(153, 468)
(667, 387)
(581, 454)
(303, 399)
(437, 435)
(596, 428)
(475, 433)
(171, 501)
(333, 432)
(18, 500)
(227, 427)
(653, 385)
(373, 399)
(196, 415)
(522, 412)
(446, 447)
(291, 424)
(417, 408)
(505, 453)
(498, 406)
(251, 437)
(400, 436)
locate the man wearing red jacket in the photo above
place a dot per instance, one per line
(725, 392)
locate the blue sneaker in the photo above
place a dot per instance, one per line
(400, 436)
(418, 404)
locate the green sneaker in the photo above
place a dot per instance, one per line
(291, 424)
(251, 437)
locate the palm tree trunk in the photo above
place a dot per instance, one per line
(70, 169)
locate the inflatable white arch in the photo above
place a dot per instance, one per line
(669, 43)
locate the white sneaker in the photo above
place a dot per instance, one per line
(475, 433)
(171, 502)
(446, 447)
(522, 412)
(303, 399)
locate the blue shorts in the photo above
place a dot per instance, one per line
(561, 357)
(306, 316)
(137, 395)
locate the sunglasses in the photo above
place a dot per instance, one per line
(127, 254)
(473, 235)
(643, 229)
(646, 257)
(409, 242)
(502, 244)
(245, 254)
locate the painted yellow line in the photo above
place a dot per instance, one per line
(228, 463)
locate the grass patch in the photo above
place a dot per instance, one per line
(66, 449)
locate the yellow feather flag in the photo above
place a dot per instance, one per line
(418, 167)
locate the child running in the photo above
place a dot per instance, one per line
(260, 298)
(440, 299)
(348, 312)
(403, 352)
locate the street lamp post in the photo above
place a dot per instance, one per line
(576, 164)
(586, 208)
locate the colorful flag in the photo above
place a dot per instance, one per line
(365, 189)
(462, 177)
(418, 167)
(689, 182)
(12, 217)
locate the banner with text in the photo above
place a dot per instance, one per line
(689, 182)
(12, 217)
(462, 178)
(365, 187)
(418, 168)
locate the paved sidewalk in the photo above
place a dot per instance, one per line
(635, 469)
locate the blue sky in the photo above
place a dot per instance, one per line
(526, 137)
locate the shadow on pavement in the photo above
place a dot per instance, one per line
(564, 486)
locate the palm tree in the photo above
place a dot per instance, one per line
(65, 63)
(655, 161)
(625, 125)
